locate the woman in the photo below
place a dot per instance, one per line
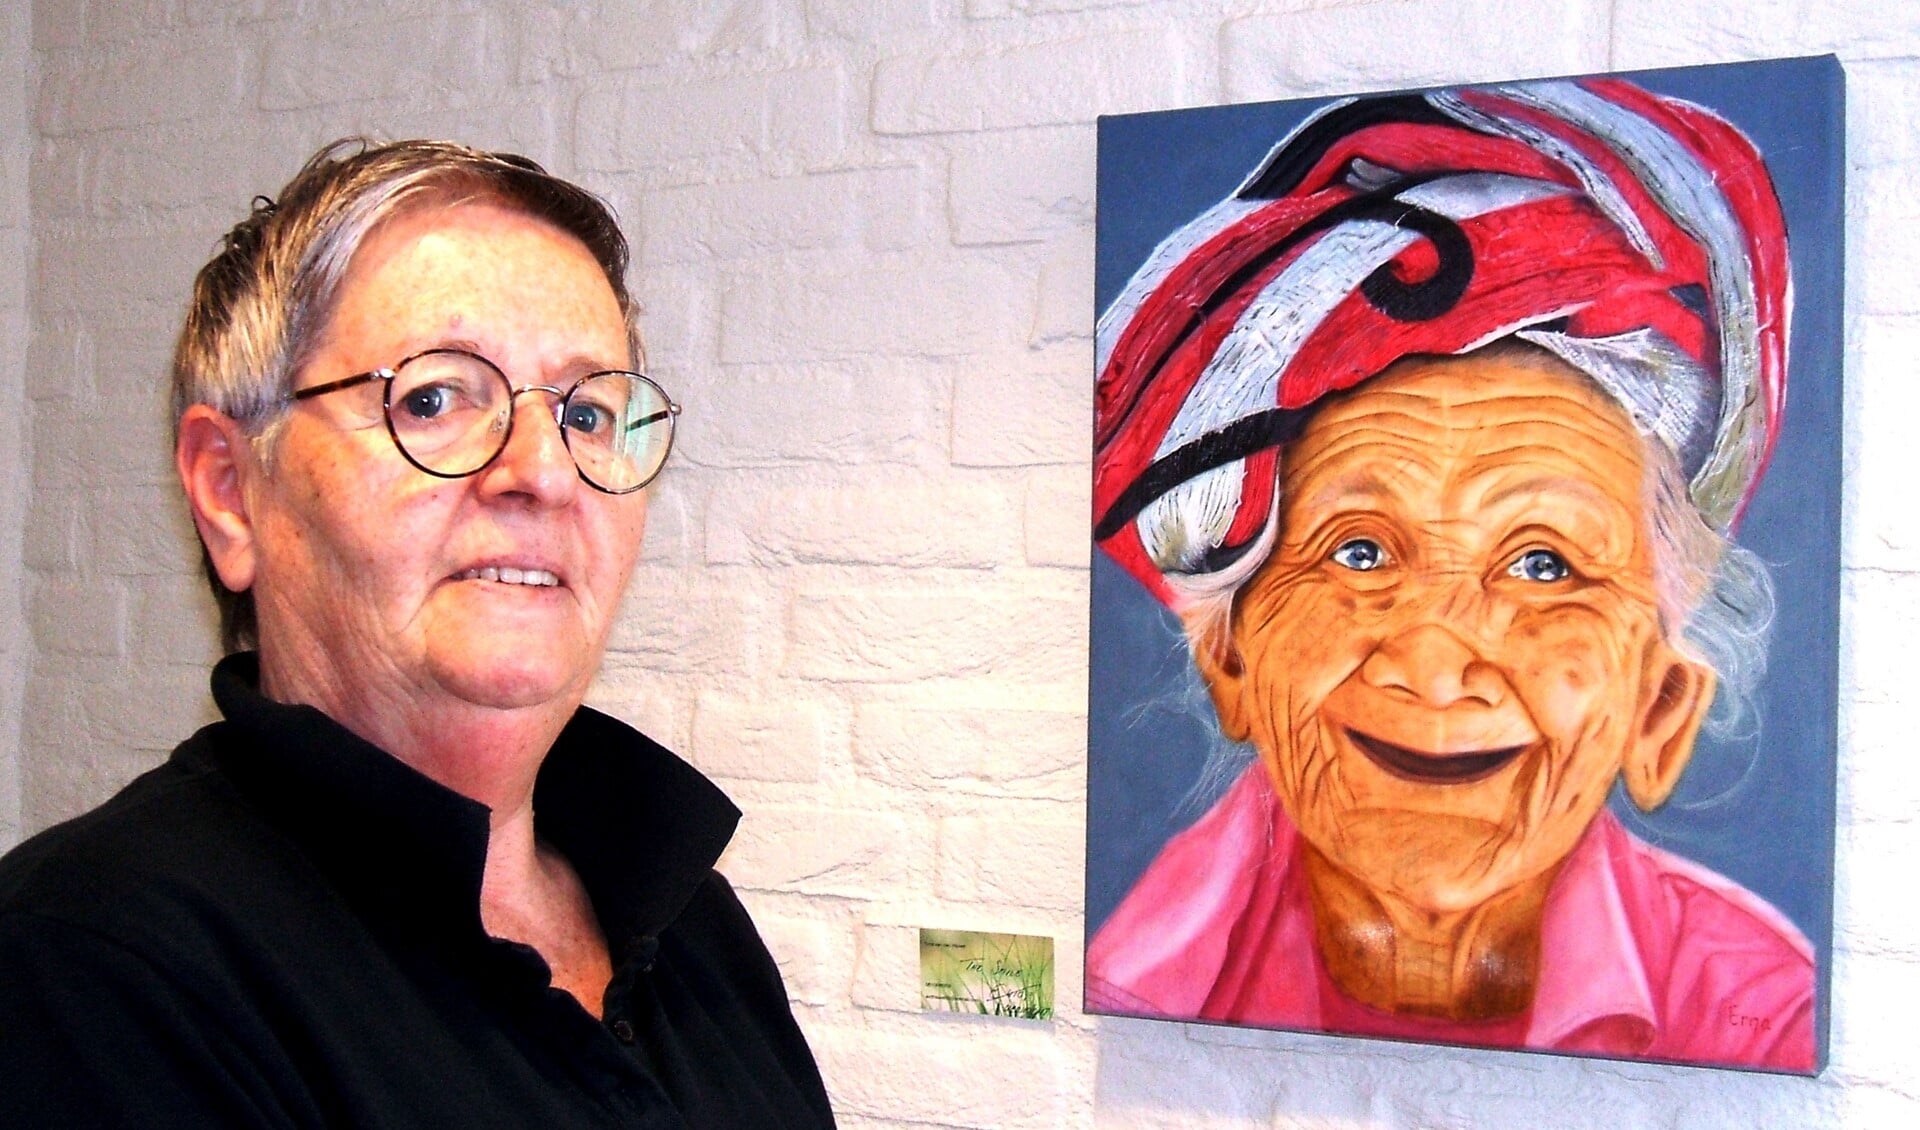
(409, 879)
(1434, 435)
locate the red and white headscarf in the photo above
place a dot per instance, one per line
(1636, 237)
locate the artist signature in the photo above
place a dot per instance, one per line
(1738, 1019)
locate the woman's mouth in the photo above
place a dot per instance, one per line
(1434, 768)
(507, 575)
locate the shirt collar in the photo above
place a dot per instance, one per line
(1167, 946)
(1592, 983)
(641, 827)
(1590, 971)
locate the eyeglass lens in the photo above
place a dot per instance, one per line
(450, 413)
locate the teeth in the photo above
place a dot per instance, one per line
(508, 575)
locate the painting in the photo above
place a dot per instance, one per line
(1466, 517)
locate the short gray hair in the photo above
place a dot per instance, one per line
(262, 303)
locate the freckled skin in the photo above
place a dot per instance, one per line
(1446, 473)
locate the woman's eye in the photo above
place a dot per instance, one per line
(1543, 565)
(1359, 554)
(589, 418)
(428, 402)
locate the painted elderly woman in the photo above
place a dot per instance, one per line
(1434, 434)
(409, 880)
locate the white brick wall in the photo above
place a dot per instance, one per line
(864, 241)
(16, 270)
(1336, 50)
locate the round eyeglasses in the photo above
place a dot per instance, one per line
(450, 413)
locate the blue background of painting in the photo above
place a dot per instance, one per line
(1758, 810)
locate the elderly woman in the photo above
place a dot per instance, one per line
(1434, 435)
(409, 879)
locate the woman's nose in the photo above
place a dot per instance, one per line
(1431, 665)
(536, 460)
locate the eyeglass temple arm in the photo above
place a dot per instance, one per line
(655, 417)
(343, 382)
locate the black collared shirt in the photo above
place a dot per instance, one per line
(281, 927)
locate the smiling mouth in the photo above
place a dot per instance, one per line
(506, 575)
(1432, 768)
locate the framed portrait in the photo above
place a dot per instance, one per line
(1466, 569)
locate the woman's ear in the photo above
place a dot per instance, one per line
(1675, 693)
(214, 457)
(1219, 662)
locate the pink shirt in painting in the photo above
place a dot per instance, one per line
(1644, 954)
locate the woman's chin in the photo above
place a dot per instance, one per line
(507, 674)
(1436, 864)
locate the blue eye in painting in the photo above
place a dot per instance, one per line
(1362, 555)
(1543, 565)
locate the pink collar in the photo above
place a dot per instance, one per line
(1164, 951)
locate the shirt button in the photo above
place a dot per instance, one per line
(623, 1031)
(645, 951)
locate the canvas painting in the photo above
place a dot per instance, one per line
(1465, 591)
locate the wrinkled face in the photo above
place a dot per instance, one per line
(388, 594)
(1455, 646)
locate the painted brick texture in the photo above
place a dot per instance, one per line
(864, 238)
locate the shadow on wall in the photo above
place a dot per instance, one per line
(1154, 1074)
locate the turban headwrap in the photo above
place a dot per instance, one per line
(1637, 238)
